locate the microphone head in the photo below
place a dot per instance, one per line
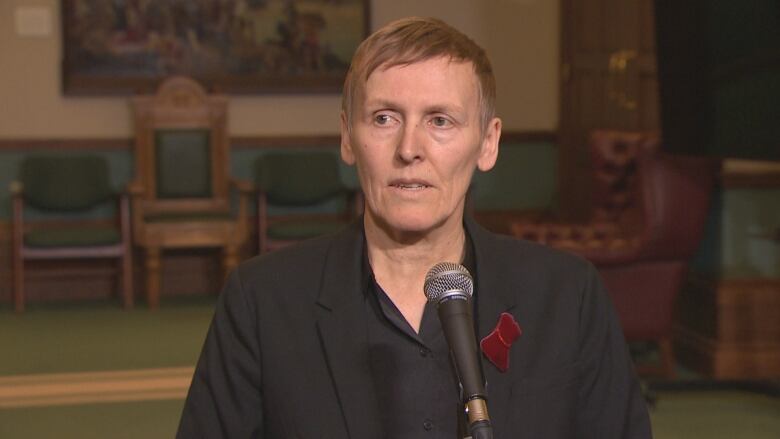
(448, 279)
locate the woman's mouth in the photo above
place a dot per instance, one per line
(410, 186)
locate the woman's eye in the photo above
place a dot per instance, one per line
(382, 119)
(440, 122)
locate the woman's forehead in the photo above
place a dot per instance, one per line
(447, 82)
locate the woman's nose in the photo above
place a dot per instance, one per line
(412, 143)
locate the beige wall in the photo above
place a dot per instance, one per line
(521, 37)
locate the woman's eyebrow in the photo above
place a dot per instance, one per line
(381, 102)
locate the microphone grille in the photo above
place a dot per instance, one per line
(445, 277)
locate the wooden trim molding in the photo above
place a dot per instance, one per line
(66, 144)
(191, 272)
(236, 142)
(529, 136)
(750, 174)
(751, 180)
(249, 142)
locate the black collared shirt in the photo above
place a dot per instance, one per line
(414, 378)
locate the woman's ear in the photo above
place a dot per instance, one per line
(488, 153)
(347, 155)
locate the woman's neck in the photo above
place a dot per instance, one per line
(400, 262)
(407, 253)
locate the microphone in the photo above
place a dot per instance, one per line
(450, 287)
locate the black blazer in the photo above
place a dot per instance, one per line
(286, 353)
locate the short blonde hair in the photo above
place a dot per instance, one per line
(414, 39)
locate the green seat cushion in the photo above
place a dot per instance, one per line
(65, 183)
(299, 179)
(296, 230)
(76, 237)
(188, 216)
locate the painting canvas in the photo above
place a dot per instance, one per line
(235, 46)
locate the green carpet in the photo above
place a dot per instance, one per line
(715, 415)
(99, 336)
(102, 336)
(147, 420)
(679, 415)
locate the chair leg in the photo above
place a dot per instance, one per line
(127, 280)
(17, 245)
(153, 277)
(229, 260)
(667, 357)
(18, 282)
(128, 294)
(262, 223)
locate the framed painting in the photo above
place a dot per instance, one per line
(231, 46)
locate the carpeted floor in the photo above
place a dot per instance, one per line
(126, 420)
(101, 336)
(716, 414)
(92, 370)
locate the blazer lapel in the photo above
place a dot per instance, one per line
(493, 297)
(341, 321)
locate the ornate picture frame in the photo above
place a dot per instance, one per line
(231, 46)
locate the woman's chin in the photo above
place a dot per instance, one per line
(411, 224)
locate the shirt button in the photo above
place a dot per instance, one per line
(427, 424)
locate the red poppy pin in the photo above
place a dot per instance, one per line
(496, 345)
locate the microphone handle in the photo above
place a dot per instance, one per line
(458, 327)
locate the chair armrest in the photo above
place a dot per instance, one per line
(673, 184)
(125, 220)
(134, 191)
(135, 188)
(17, 216)
(245, 189)
(242, 186)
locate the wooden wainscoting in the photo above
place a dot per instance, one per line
(730, 328)
(184, 272)
(187, 272)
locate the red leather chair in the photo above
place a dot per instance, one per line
(648, 219)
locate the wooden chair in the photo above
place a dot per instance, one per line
(181, 194)
(58, 188)
(300, 196)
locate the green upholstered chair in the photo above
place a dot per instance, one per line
(182, 191)
(57, 188)
(300, 195)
